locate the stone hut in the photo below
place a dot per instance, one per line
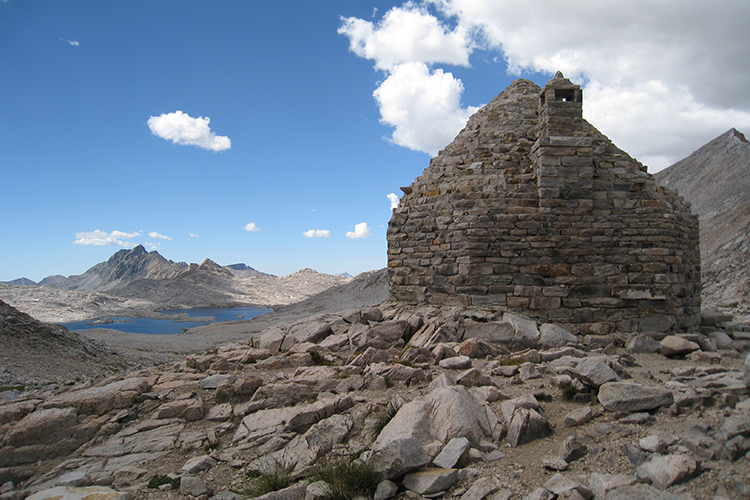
(532, 210)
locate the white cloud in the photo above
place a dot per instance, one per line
(181, 128)
(394, 200)
(423, 106)
(101, 238)
(360, 231)
(193, 235)
(406, 34)
(158, 236)
(658, 80)
(317, 233)
(74, 43)
(152, 246)
(252, 228)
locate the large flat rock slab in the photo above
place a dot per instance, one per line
(625, 396)
(100, 400)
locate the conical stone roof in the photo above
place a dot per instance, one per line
(533, 210)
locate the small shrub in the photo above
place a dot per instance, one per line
(388, 382)
(385, 416)
(569, 392)
(157, 481)
(318, 359)
(511, 361)
(277, 477)
(346, 477)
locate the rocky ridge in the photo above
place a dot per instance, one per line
(124, 267)
(489, 405)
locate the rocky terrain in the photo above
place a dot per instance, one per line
(715, 179)
(464, 403)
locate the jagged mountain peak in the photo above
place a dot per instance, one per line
(122, 268)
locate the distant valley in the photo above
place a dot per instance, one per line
(137, 282)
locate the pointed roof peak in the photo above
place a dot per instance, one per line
(559, 81)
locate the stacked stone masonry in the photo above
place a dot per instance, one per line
(533, 210)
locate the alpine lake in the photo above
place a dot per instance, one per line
(172, 323)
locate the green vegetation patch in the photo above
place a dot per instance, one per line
(385, 416)
(346, 477)
(277, 477)
(157, 481)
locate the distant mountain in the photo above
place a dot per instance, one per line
(52, 280)
(344, 274)
(20, 281)
(244, 271)
(715, 179)
(123, 268)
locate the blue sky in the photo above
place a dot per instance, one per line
(272, 133)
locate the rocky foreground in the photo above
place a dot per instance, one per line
(468, 404)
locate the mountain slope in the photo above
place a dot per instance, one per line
(34, 352)
(715, 179)
(123, 268)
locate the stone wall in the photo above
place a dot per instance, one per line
(533, 210)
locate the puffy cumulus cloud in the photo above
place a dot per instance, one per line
(251, 228)
(101, 238)
(181, 128)
(423, 106)
(158, 236)
(405, 34)
(659, 78)
(317, 233)
(394, 200)
(360, 231)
